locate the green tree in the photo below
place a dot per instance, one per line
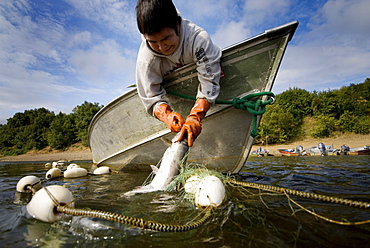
(347, 121)
(6, 138)
(362, 125)
(62, 132)
(296, 101)
(324, 126)
(354, 99)
(327, 103)
(278, 124)
(41, 120)
(83, 115)
(19, 120)
(26, 131)
(283, 120)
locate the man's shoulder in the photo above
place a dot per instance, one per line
(145, 54)
(190, 27)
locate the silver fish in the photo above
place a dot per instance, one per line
(168, 169)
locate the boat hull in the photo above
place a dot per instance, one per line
(285, 152)
(315, 151)
(123, 135)
(360, 151)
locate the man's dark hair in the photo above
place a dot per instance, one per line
(154, 15)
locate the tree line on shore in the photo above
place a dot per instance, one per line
(328, 112)
(36, 129)
(341, 110)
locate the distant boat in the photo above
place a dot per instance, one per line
(260, 152)
(288, 152)
(293, 152)
(365, 150)
(322, 150)
(123, 135)
(344, 150)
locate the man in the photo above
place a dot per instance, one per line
(169, 42)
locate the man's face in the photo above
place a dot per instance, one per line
(164, 42)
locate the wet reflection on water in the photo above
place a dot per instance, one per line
(249, 218)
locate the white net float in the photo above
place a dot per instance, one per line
(210, 192)
(102, 170)
(191, 184)
(53, 173)
(75, 172)
(71, 166)
(43, 208)
(28, 184)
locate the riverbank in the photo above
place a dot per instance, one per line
(351, 140)
(76, 152)
(84, 153)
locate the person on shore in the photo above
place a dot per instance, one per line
(170, 42)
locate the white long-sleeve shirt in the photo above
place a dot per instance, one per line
(195, 46)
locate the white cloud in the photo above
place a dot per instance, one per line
(232, 20)
(104, 64)
(116, 15)
(264, 11)
(202, 10)
(80, 39)
(230, 33)
(42, 63)
(21, 87)
(20, 35)
(335, 52)
(322, 67)
(26, 47)
(342, 21)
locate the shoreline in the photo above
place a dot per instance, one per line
(48, 157)
(352, 140)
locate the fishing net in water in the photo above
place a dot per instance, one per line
(268, 196)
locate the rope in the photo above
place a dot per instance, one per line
(324, 198)
(255, 107)
(141, 223)
(155, 226)
(327, 219)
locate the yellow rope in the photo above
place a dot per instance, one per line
(324, 198)
(137, 222)
(141, 223)
(327, 219)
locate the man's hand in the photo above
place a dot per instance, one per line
(193, 125)
(173, 120)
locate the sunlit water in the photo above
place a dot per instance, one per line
(249, 217)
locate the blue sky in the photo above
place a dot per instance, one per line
(59, 53)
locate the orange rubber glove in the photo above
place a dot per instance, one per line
(193, 126)
(173, 120)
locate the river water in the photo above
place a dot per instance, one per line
(249, 217)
